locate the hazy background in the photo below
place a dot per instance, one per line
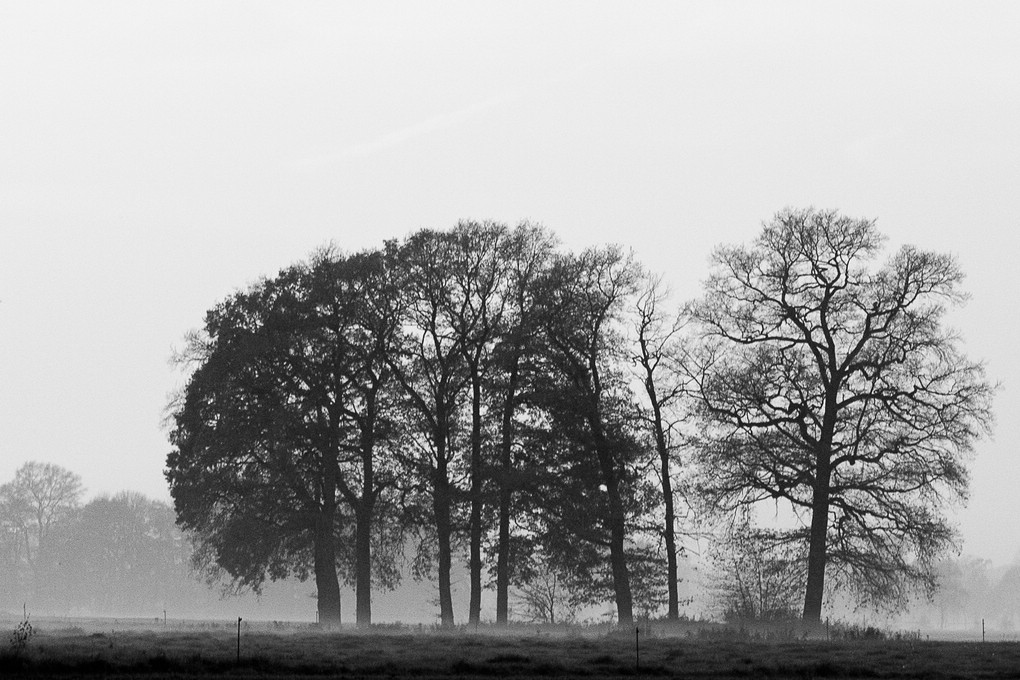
(156, 156)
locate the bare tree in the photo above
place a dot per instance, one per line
(659, 355)
(45, 493)
(757, 575)
(546, 596)
(39, 498)
(836, 389)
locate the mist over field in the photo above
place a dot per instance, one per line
(134, 564)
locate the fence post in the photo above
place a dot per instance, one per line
(637, 648)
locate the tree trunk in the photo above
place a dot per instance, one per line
(669, 533)
(818, 539)
(618, 560)
(475, 559)
(326, 582)
(363, 562)
(365, 511)
(505, 494)
(617, 524)
(616, 519)
(669, 521)
(441, 502)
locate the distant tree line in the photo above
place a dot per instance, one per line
(972, 591)
(114, 555)
(499, 399)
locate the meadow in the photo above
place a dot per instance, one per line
(151, 649)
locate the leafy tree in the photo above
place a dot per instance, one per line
(951, 596)
(528, 252)
(360, 344)
(835, 387)
(591, 487)
(477, 299)
(1006, 596)
(118, 555)
(325, 397)
(284, 397)
(431, 368)
(976, 582)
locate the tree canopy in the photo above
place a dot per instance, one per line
(278, 423)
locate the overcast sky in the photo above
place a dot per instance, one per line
(156, 156)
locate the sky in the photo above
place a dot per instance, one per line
(155, 157)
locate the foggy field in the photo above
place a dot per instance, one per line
(66, 648)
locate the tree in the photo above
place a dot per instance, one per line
(278, 425)
(1006, 595)
(659, 356)
(951, 597)
(976, 582)
(545, 596)
(118, 555)
(39, 497)
(431, 368)
(15, 578)
(528, 251)
(477, 298)
(835, 388)
(361, 345)
(758, 575)
(590, 482)
(351, 385)
(467, 304)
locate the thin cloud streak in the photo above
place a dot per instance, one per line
(406, 134)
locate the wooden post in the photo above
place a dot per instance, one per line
(238, 640)
(637, 649)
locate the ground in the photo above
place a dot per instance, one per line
(152, 649)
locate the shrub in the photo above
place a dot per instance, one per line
(21, 636)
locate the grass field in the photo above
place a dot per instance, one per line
(149, 649)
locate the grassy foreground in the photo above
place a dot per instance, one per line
(211, 649)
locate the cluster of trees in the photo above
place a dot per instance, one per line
(970, 591)
(494, 396)
(113, 554)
